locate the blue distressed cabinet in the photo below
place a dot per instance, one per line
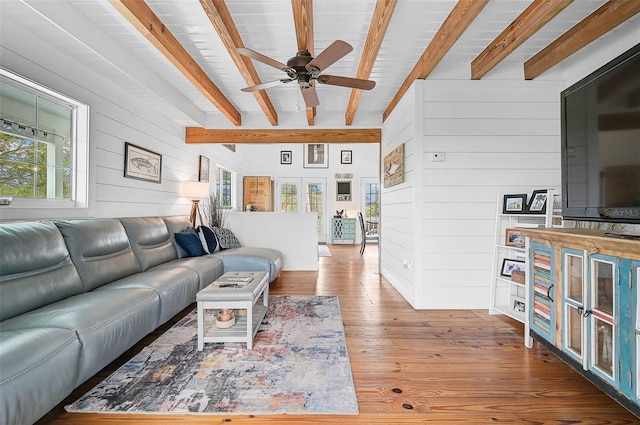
(541, 290)
(342, 230)
(585, 306)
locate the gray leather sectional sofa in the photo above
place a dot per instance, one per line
(76, 294)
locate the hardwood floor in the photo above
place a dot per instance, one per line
(415, 367)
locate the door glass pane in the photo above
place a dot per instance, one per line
(289, 197)
(574, 330)
(574, 278)
(314, 203)
(603, 294)
(603, 347)
(372, 210)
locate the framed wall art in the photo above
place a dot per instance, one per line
(203, 174)
(285, 157)
(316, 155)
(514, 204)
(394, 167)
(346, 157)
(142, 164)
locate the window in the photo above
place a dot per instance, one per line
(224, 187)
(43, 145)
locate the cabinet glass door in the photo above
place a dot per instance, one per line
(601, 314)
(574, 295)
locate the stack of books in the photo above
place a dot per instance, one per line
(225, 281)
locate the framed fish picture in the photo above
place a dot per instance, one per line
(142, 164)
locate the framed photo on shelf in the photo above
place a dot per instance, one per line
(142, 164)
(203, 173)
(346, 157)
(514, 237)
(514, 204)
(517, 304)
(285, 157)
(509, 266)
(538, 202)
(316, 155)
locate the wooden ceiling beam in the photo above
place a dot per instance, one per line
(603, 20)
(303, 20)
(377, 29)
(534, 17)
(226, 28)
(253, 136)
(151, 27)
(460, 17)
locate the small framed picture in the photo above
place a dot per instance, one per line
(509, 266)
(142, 164)
(203, 173)
(285, 157)
(514, 204)
(538, 202)
(345, 157)
(316, 155)
(517, 304)
(514, 237)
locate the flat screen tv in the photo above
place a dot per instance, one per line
(601, 143)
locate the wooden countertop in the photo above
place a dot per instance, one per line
(593, 241)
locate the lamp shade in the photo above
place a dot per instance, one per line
(195, 190)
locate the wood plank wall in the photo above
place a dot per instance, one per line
(497, 136)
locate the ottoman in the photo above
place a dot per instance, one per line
(226, 293)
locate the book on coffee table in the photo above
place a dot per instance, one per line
(232, 280)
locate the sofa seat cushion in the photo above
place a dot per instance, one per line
(208, 268)
(176, 287)
(38, 369)
(247, 259)
(107, 323)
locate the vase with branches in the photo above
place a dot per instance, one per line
(215, 214)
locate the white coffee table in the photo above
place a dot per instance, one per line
(215, 297)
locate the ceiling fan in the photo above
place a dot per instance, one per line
(305, 69)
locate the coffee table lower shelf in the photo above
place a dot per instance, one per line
(238, 332)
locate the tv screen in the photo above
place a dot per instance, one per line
(601, 143)
(343, 190)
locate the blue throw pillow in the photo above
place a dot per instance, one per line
(190, 242)
(210, 238)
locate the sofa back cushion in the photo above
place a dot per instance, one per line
(35, 268)
(175, 224)
(100, 250)
(150, 240)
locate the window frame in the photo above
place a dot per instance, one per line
(220, 170)
(79, 146)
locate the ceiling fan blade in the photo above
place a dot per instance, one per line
(331, 54)
(266, 85)
(356, 83)
(310, 96)
(262, 58)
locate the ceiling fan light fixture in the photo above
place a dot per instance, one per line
(305, 69)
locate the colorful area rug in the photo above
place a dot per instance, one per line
(299, 365)
(324, 251)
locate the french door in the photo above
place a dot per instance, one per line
(304, 194)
